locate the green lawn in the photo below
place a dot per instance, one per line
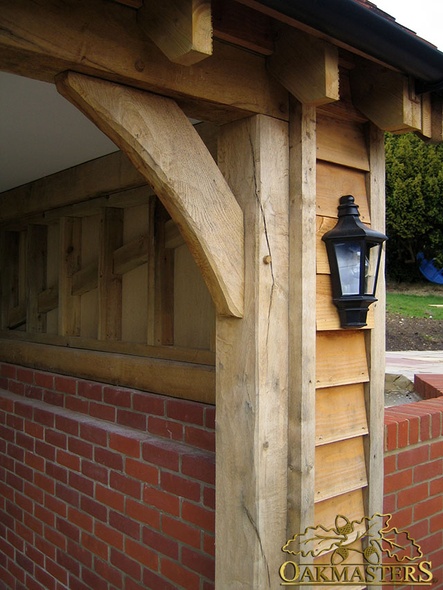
(415, 306)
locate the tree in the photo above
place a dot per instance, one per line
(414, 204)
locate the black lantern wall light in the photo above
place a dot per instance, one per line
(354, 253)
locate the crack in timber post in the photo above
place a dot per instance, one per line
(265, 227)
(254, 526)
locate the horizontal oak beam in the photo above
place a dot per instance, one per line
(103, 39)
(177, 379)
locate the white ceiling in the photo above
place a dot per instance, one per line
(41, 132)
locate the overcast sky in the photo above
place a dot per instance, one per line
(424, 17)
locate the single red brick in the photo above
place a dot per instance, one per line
(199, 516)
(56, 438)
(25, 375)
(44, 450)
(142, 513)
(34, 461)
(125, 525)
(141, 554)
(402, 434)
(209, 497)
(165, 428)
(77, 404)
(117, 397)
(45, 380)
(126, 485)
(142, 471)
(26, 473)
(199, 465)
(95, 545)
(33, 392)
(436, 486)
(55, 505)
(44, 515)
(80, 554)
(109, 459)
(398, 481)
(68, 529)
(209, 544)
(23, 502)
(390, 434)
(95, 471)
(57, 472)
(412, 495)
(126, 564)
(80, 447)
(390, 464)
(65, 384)
(180, 486)
(81, 483)
(66, 424)
(125, 444)
(148, 403)
(33, 523)
(425, 427)
(44, 417)
(412, 457)
(102, 411)
(68, 495)
(186, 411)
(202, 439)
(94, 434)
(14, 422)
(24, 409)
(429, 470)
(178, 574)
(181, 531)
(90, 389)
(160, 543)
(131, 419)
(436, 522)
(82, 520)
(56, 538)
(54, 398)
(428, 507)
(162, 500)
(57, 571)
(16, 387)
(44, 578)
(45, 483)
(109, 535)
(161, 453)
(110, 497)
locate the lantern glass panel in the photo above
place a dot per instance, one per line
(372, 263)
(349, 266)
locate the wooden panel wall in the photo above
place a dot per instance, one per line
(108, 273)
(343, 373)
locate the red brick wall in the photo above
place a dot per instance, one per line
(414, 475)
(103, 487)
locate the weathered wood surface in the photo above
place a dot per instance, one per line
(341, 358)
(36, 257)
(182, 29)
(339, 468)
(342, 142)
(350, 504)
(306, 66)
(178, 379)
(69, 304)
(376, 338)
(165, 148)
(103, 39)
(252, 366)
(340, 413)
(302, 339)
(335, 181)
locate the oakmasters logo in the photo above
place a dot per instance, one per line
(366, 552)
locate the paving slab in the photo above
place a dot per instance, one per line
(412, 362)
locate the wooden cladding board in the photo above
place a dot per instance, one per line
(342, 142)
(341, 358)
(340, 413)
(349, 504)
(339, 468)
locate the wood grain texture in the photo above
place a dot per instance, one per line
(341, 358)
(342, 142)
(306, 66)
(102, 38)
(252, 365)
(182, 29)
(165, 148)
(177, 379)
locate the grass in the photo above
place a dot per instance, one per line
(415, 306)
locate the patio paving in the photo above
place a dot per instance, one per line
(410, 363)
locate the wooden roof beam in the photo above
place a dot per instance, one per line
(306, 66)
(388, 99)
(103, 39)
(165, 148)
(182, 29)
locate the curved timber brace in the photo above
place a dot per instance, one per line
(164, 147)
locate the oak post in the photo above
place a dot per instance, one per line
(252, 365)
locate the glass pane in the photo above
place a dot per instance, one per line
(371, 265)
(348, 260)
